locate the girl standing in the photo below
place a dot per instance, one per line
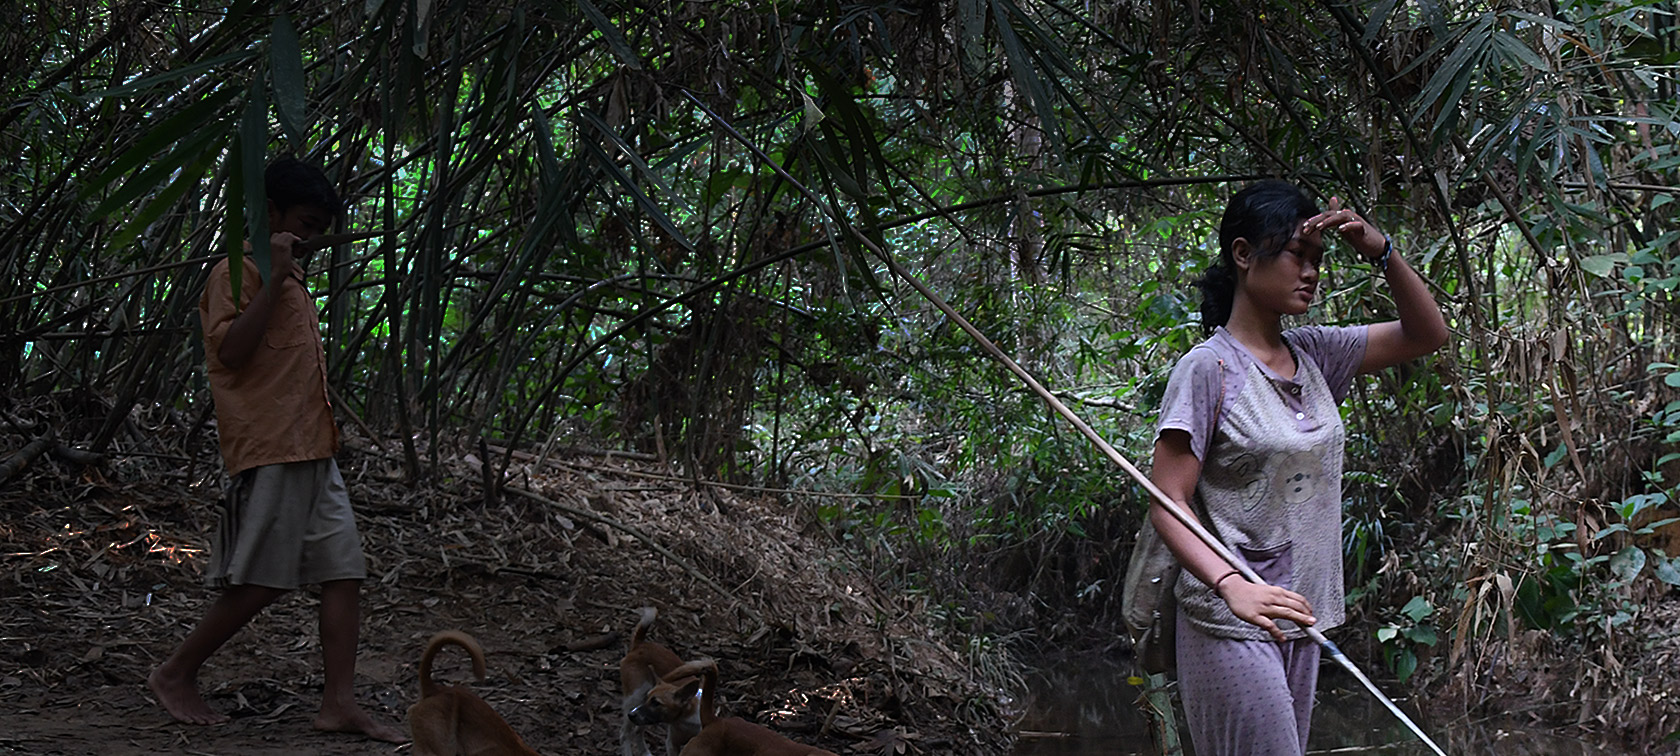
(1250, 432)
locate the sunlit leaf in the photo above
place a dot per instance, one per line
(1601, 265)
(1628, 563)
(1668, 571)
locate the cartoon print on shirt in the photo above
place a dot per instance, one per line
(1300, 478)
(1247, 466)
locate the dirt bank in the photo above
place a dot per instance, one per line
(101, 569)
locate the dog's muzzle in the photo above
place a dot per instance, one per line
(646, 714)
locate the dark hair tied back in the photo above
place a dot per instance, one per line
(1264, 213)
(1219, 288)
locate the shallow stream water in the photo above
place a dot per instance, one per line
(1086, 709)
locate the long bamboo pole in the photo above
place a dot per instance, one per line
(1075, 420)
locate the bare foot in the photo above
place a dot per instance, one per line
(356, 721)
(180, 698)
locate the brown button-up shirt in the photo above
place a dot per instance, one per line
(274, 408)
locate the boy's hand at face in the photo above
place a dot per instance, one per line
(282, 264)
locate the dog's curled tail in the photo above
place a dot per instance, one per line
(709, 683)
(640, 633)
(438, 641)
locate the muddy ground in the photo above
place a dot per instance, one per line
(101, 574)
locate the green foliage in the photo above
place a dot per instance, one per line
(1402, 638)
(578, 249)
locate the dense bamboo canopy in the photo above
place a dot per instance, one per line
(587, 238)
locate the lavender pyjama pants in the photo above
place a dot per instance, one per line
(1246, 697)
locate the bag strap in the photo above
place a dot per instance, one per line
(1195, 497)
(1220, 406)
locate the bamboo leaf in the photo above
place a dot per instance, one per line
(422, 16)
(1517, 52)
(233, 221)
(1555, 23)
(1086, 23)
(188, 178)
(286, 69)
(1450, 106)
(678, 153)
(1470, 45)
(971, 17)
(1048, 48)
(855, 127)
(1436, 19)
(833, 159)
(1020, 64)
(1373, 26)
(635, 159)
(641, 199)
(170, 76)
(253, 138)
(1595, 164)
(193, 119)
(858, 125)
(1456, 73)
(1541, 125)
(154, 174)
(609, 32)
(548, 165)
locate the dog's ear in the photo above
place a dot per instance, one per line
(653, 674)
(689, 690)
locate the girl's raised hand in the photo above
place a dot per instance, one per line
(1365, 239)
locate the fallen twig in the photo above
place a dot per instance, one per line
(77, 456)
(24, 456)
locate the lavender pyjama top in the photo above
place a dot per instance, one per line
(1270, 486)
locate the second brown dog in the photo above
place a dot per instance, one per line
(733, 736)
(650, 694)
(454, 721)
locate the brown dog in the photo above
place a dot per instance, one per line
(453, 721)
(650, 695)
(733, 736)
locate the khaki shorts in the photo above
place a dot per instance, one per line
(286, 525)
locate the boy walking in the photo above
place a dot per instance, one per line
(286, 519)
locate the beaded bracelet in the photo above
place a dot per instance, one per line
(1381, 263)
